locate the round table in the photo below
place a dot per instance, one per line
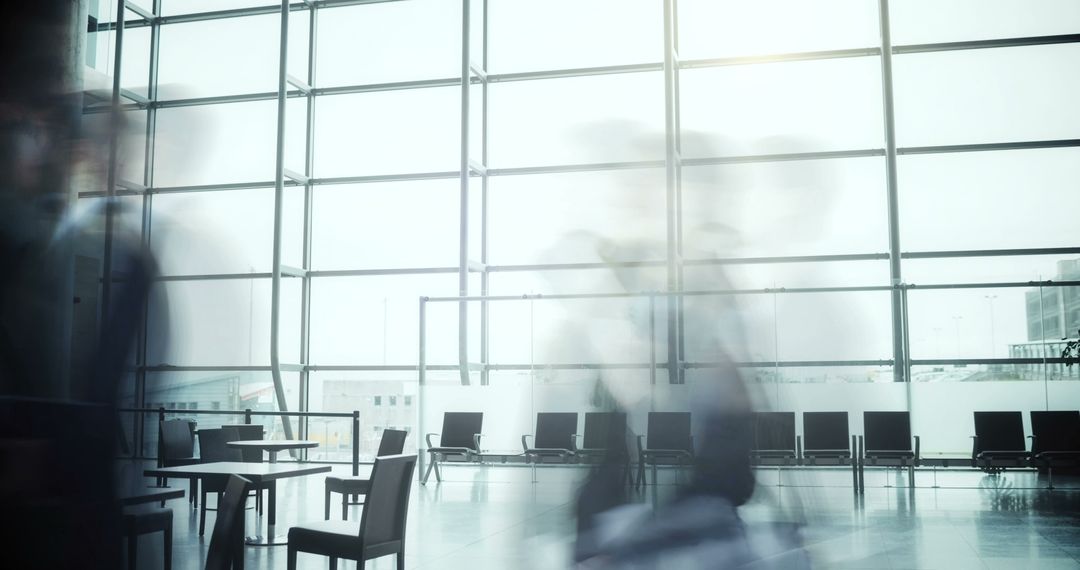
(273, 446)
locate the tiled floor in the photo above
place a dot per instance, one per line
(481, 518)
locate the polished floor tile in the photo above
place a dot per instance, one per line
(482, 518)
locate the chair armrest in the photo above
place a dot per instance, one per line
(798, 447)
(574, 442)
(640, 444)
(1032, 438)
(427, 438)
(476, 441)
(974, 448)
(525, 443)
(916, 450)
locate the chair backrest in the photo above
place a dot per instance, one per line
(248, 432)
(826, 431)
(1055, 431)
(458, 429)
(887, 431)
(212, 445)
(227, 538)
(669, 430)
(392, 442)
(774, 431)
(999, 431)
(387, 503)
(555, 430)
(605, 430)
(176, 440)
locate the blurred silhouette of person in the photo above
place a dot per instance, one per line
(62, 357)
(699, 527)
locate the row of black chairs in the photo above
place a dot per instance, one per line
(998, 440)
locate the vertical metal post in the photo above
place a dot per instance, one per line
(110, 178)
(421, 376)
(279, 190)
(673, 164)
(893, 200)
(305, 292)
(463, 227)
(247, 415)
(147, 213)
(485, 276)
(652, 339)
(356, 443)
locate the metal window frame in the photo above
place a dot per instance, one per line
(476, 73)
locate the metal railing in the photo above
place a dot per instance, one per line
(248, 414)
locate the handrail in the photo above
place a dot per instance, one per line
(248, 413)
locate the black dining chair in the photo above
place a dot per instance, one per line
(1055, 440)
(246, 432)
(391, 443)
(226, 550)
(176, 446)
(382, 523)
(889, 442)
(212, 449)
(145, 520)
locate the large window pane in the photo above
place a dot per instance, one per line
(385, 400)
(577, 120)
(985, 323)
(374, 320)
(726, 28)
(983, 96)
(219, 57)
(220, 322)
(931, 21)
(578, 217)
(391, 132)
(395, 41)
(215, 144)
(367, 226)
(812, 207)
(521, 34)
(785, 107)
(224, 231)
(989, 200)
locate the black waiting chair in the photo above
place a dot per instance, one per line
(999, 441)
(382, 522)
(391, 443)
(604, 441)
(888, 441)
(176, 446)
(1055, 440)
(554, 439)
(145, 520)
(774, 439)
(460, 438)
(226, 549)
(212, 449)
(669, 443)
(826, 441)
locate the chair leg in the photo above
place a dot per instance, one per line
(344, 506)
(133, 545)
(427, 472)
(401, 560)
(202, 513)
(438, 474)
(193, 491)
(326, 508)
(290, 563)
(168, 546)
(333, 563)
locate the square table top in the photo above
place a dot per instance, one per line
(257, 472)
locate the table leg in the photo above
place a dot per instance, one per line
(273, 455)
(270, 538)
